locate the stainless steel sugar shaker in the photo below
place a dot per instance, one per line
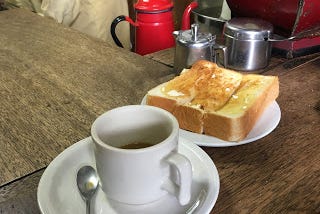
(192, 45)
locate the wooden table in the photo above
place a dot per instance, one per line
(56, 81)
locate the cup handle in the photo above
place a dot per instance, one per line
(181, 186)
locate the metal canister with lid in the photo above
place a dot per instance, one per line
(191, 46)
(246, 40)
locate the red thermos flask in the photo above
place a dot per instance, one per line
(153, 26)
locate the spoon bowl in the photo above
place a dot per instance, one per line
(87, 182)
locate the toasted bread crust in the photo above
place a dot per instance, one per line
(161, 102)
(189, 118)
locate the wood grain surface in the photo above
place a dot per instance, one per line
(54, 82)
(21, 196)
(51, 91)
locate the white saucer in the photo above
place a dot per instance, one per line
(268, 121)
(58, 193)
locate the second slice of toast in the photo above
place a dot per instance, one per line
(234, 121)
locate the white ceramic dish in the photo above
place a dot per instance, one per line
(58, 193)
(264, 126)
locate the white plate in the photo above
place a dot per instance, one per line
(58, 193)
(268, 121)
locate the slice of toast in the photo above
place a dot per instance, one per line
(234, 121)
(216, 101)
(188, 96)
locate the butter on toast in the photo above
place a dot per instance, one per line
(215, 101)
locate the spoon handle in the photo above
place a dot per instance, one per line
(87, 206)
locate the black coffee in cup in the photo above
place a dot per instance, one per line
(136, 145)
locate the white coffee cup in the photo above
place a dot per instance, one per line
(143, 175)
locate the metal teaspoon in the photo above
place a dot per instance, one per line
(87, 182)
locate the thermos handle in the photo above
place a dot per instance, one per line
(223, 49)
(114, 24)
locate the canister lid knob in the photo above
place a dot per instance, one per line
(194, 31)
(194, 38)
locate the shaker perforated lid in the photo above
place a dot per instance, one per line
(194, 38)
(248, 29)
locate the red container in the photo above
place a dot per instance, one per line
(289, 17)
(154, 32)
(153, 27)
